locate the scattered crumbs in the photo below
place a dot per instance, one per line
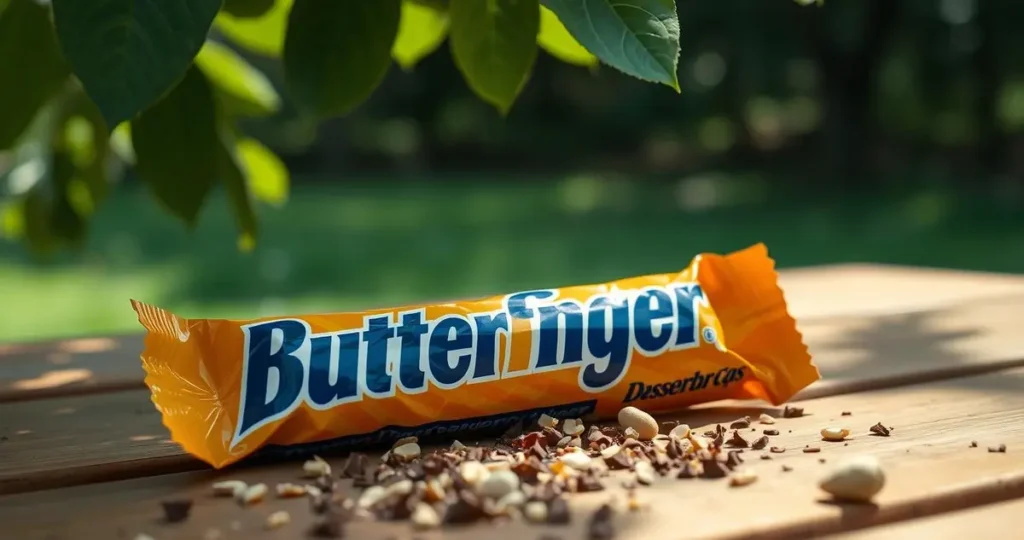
(847, 413)
(880, 430)
(974, 444)
(1001, 449)
(792, 412)
(176, 511)
(786, 468)
(811, 450)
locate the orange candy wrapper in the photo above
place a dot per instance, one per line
(717, 330)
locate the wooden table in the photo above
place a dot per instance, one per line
(938, 355)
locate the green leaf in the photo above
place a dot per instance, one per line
(32, 69)
(421, 31)
(494, 44)
(233, 178)
(337, 52)
(129, 53)
(266, 175)
(558, 42)
(263, 35)
(177, 146)
(248, 91)
(247, 8)
(637, 37)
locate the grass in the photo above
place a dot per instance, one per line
(386, 241)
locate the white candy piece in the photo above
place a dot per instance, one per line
(407, 451)
(645, 425)
(857, 479)
(644, 472)
(233, 488)
(834, 434)
(316, 467)
(547, 421)
(681, 431)
(499, 483)
(425, 517)
(576, 460)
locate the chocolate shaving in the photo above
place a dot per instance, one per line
(551, 436)
(558, 511)
(777, 450)
(733, 459)
(740, 423)
(1001, 449)
(771, 432)
(792, 412)
(714, 469)
(811, 450)
(355, 465)
(760, 443)
(879, 430)
(719, 440)
(177, 510)
(737, 440)
(600, 526)
(619, 461)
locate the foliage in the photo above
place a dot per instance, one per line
(109, 86)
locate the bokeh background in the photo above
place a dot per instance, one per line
(866, 130)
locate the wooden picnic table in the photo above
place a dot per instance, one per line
(937, 355)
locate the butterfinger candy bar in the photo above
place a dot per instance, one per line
(719, 329)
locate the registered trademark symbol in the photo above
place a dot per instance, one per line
(709, 334)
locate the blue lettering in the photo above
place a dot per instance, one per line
(378, 332)
(517, 303)
(487, 344)
(687, 297)
(443, 343)
(411, 331)
(615, 348)
(564, 323)
(346, 386)
(272, 345)
(653, 309)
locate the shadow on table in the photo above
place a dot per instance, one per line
(951, 346)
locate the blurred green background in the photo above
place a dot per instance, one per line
(867, 130)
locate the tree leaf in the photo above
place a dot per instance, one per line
(267, 177)
(263, 35)
(494, 44)
(558, 42)
(177, 146)
(129, 53)
(637, 37)
(249, 91)
(31, 66)
(420, 32)
(233, 179)
(336, 52)
(247, 8)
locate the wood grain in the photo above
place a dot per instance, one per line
(998, 520)
(929, 463)
(850, 315)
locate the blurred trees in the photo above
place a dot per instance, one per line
(840, 90)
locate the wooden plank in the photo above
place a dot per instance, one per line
(929, 464)
(990, 521)
(847, 313)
